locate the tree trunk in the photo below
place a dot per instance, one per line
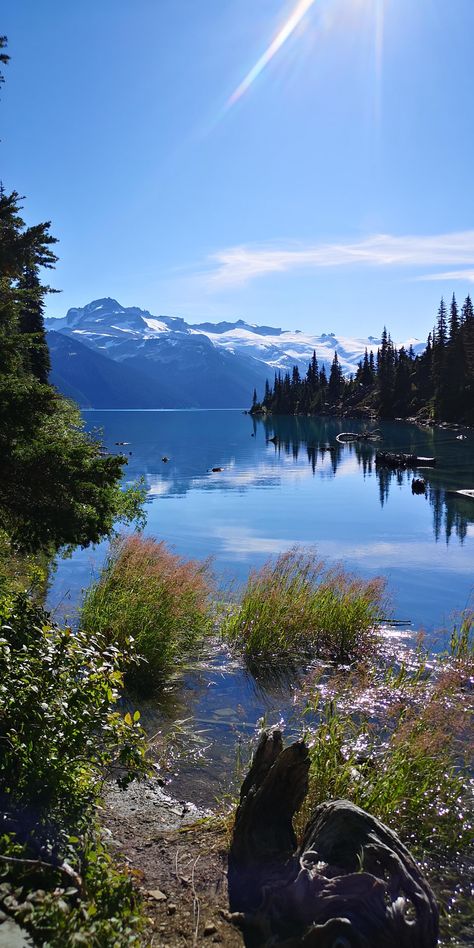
(350, 884)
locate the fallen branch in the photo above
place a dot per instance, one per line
(64, 868)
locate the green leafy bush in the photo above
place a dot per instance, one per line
(161, 600)
(61, 734)
(297, 605)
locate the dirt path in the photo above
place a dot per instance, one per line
(180, 867)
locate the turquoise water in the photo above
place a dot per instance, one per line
(305, 489)
(301, 488)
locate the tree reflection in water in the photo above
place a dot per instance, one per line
(317, 437)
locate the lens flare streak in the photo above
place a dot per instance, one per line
(287, 29)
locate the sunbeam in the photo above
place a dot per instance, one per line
(379, 37)
(287, 29)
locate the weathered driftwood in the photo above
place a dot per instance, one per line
(402, 461)
(346, 437)
(350, 884)
(462, 493)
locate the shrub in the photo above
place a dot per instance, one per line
(20, 572)
(297, 605)
(161, 600)
(61, 735)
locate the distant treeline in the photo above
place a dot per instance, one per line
(392, 383)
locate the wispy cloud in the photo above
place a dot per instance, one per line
(236, 266)
(467, 275)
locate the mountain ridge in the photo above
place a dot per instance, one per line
(182, 364)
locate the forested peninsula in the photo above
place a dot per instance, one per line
(391, 383)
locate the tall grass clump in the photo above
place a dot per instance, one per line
(412, 772)
(297, 605)
(152, 595)
(461, 646)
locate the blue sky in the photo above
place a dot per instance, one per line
(334, 194)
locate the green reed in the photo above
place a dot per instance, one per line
(297, 605)
(152, 595)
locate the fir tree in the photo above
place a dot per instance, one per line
(439, 363)
(453, 320)
(336, 380)
(367, 376)
(56, 488)
(31, 325)
(385, 373)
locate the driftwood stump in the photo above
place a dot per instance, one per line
(350, 884)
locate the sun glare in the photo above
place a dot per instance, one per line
(279, 40)
(373, 8)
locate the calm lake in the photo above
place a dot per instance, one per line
(306, 489)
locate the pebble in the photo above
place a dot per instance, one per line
(209, 929)
(10, 902)
(171, 908)
(157, 895)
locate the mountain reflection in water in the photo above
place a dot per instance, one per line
(229, 492)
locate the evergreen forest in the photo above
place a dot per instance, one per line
(438, 384)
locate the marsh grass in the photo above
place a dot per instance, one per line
(296, 605)
(152, 595)
(412, 768)
(461, 646)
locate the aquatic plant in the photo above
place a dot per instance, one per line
(162, 601)
(409, 766)
(297, 604)
(461, 646)
(400, 746)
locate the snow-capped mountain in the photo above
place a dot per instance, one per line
(189, 365)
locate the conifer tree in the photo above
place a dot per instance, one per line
(385, 375)
(367, 373)
(468, 335)
(335, 380)
(453, 320)
(441, 326)
(440, 342)
(31, 325)
(56, 488)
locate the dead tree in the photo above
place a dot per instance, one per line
(350, 884)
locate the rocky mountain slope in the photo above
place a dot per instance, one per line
(109, 356)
